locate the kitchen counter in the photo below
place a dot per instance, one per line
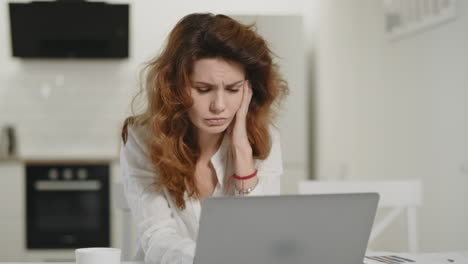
(67, 159)
(10, 160)
(59, 160)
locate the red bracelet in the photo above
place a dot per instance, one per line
(245, 177)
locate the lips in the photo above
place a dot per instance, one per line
(216, 121)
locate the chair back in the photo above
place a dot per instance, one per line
(400, 196)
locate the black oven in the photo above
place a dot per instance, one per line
(67, 205)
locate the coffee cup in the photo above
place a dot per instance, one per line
(97, 255)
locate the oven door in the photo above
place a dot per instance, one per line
(67, 206)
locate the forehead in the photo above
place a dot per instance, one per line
(215, 70)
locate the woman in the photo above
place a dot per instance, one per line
(206, 131)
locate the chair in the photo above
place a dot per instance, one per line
(120, 202)
(399, 196)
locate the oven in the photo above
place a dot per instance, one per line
(67, 205)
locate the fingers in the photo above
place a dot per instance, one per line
(247, 91)
(241, 113)
(247, 96)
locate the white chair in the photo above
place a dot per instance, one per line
(120, 202)
(399, 196)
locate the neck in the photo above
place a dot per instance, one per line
(208, 144)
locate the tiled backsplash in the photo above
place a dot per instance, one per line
(67, 107)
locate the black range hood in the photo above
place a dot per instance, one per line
(69, 29)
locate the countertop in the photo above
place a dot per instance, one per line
(59, 160)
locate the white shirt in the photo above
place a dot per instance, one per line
(167, 234)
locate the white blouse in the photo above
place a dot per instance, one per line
(167, 234)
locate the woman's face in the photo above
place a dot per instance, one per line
(216, 91)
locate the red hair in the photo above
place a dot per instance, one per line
(173, 147)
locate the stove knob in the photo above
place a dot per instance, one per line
(67, 174)
(82, 174)
(53, 174)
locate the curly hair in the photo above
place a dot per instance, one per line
(173, 147)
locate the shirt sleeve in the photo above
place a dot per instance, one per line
(157, 228)
(270, 169)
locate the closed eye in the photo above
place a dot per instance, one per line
(234, 89)
(203, 89)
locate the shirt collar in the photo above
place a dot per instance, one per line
(219, 159)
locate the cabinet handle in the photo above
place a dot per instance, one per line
(67, 186)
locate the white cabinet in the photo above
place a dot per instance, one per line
(12, 204)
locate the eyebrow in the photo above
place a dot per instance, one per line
(213, 85)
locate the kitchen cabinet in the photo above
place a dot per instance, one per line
(13, 222)
(12, 210)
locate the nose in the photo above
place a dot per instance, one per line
(218, 103)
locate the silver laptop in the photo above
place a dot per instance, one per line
(293, 229)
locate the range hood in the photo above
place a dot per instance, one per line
(64, 29)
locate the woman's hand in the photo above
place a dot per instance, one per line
(242, 150)
(238, 130)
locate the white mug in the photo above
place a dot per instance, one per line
(97, 255)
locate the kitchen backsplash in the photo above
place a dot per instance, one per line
(67, 108)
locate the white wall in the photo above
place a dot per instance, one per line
(396, 110)
(285, 36)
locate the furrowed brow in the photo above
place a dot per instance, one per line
(211, 85)
(234, 84)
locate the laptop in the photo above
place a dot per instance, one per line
(290, 229)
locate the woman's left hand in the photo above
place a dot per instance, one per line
(241, 148)
(238, 131)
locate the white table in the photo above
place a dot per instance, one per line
(459, 257)
(123, 262)
(463, 253)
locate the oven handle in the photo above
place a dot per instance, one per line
(67, 186)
